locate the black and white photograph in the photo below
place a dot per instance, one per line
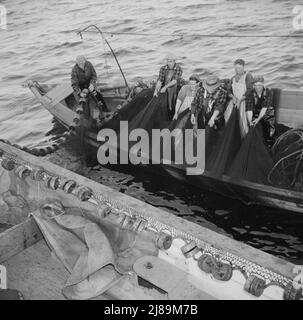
(151, 151)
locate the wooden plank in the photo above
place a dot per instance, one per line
(59, 93)
(18, 238)
(291, 99)
(290, 109)
(36, 274)
(290, 117)
(217, 240)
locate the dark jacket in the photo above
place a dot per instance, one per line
(81, 79)
(255, 103)
(205, 103)
(218, 99)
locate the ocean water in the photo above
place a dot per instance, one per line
(41, 43)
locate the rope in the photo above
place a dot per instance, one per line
(291, 156)
(214, 35)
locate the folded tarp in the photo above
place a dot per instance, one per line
(85, 252)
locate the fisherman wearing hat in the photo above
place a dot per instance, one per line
(83, 77)
(209, 104)
(259, 108)
(169, 81)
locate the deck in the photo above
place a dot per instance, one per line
(36, 274)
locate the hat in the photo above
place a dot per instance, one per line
(195, 77)
(211, 83)
(258, 79)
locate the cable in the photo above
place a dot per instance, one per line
(182, 35)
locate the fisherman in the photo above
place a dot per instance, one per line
(169, 81)
(259, 108)
(209, 104)
(83, 77)
(240, 85)
(186, 95)
(207, 111)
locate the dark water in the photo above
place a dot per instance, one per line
(41, 43)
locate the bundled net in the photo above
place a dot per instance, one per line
(225, 150)
(130, 110)
(287, 171)
(253, 161)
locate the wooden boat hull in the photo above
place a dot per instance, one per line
(188, 261)
(248, 192)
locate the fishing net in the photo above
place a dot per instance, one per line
(253, 162)
(226, 148)
(181, 124)
(225, 152)
(287, 171)
(130, 110)
(154, 115)
(13, 206)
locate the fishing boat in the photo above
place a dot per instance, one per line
(61, 103)
(73, 238)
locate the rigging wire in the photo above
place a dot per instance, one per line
(213, 35)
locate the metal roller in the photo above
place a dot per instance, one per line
(190, 249)
(223, 271)
(79, 109)
(128, 222)
(206, 263)
(35, 152)
(136, 224)
(142, 226)
(55, 146)
(62, 183)
(69, 186)
(49, 150)
(42, 152)
(22, 172)
(255, 285)
(164, 241)
(53, 183)
(8, 164)
(76, 121)
(291, 293)
(84, 193)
